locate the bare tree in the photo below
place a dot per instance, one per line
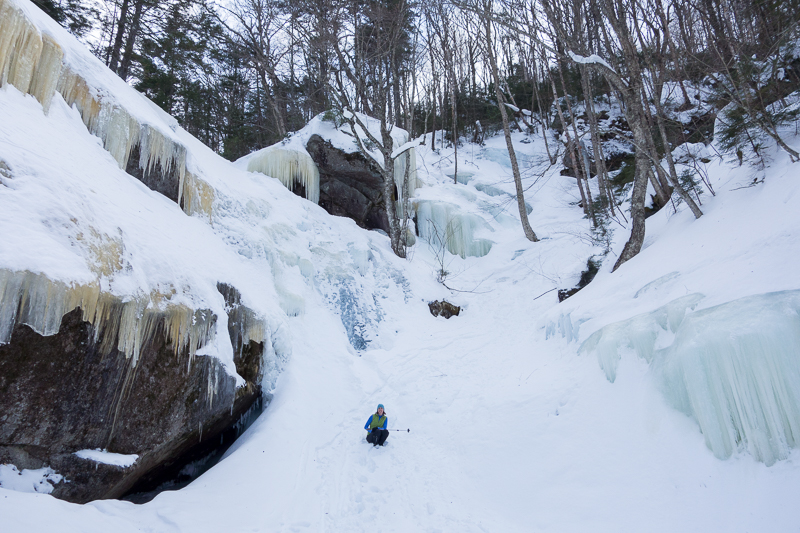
(386, 33)
(259, 22)
(486, 14)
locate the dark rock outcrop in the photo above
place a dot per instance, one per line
(349, 185)
(592, 267)
(60, 394)
(163, 180)
(443, 308)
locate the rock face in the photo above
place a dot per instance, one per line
(592, 267)
(167, 182)
(60, 394)
(444, 309)
(349, 185)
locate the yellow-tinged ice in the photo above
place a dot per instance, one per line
(48, 71)
(29, 61)
(105, 253)
(34, 63)
(39, 302)
(198, 196)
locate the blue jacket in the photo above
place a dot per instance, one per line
(386, 421)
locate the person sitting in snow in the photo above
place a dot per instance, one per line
(376, 427)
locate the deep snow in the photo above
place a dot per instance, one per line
(513, 427)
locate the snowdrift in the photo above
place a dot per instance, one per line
(712, 307)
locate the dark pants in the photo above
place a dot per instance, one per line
(378, 436)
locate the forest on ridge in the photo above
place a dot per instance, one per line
(245, 74)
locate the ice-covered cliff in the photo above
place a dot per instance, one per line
(109, 208)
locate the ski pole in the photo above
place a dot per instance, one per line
(406, 430)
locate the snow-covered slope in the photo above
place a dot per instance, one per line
(77, 226)
(515, 422)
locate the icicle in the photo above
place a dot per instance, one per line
(409, 157)
(33, 64)
(115, 127)
(41, 303)
(290, 166)
(48, 71)
(75, 91)
(157, 149)
(733, 367)
(118, 131)
(20, 47)
(212, 386)
(29, 61)
(443, 225)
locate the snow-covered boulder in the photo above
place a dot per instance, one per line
(350, 185)
(323, 164)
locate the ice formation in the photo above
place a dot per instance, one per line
(244, 325)
(444, 225)
(33, 62)
(39, 302)
(197, 195)
(155, 148)
(147, 146)
(734, 367)
(29, 60)
(639, 334)
(122, 135)
(568, 329)
(407, 158)
(289, 165)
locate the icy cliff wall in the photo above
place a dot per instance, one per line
(733, 367)
(139, 139)
(167, 325)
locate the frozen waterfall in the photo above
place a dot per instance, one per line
(735, 367)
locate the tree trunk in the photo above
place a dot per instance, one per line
(577, 153)
(121, 27)
(594, 131)
(454, 124)
(512, 155)
(133, 33)
(574, 150)
(634, 244)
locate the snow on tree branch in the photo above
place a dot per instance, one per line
(597, 61)
(407, 146)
